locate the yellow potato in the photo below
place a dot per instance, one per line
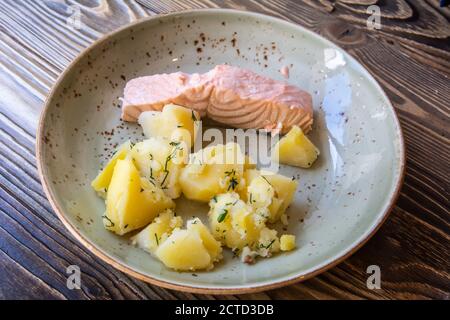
(160, 161)
(295, 149)
(191, 249)
(233, 222)
(268, 242)
(157, 231)
(260, 192)
(287, 242)
(172, 122)
(211, 244)
(270, 190)
(212, 171)
(101, 182)
(132, 202)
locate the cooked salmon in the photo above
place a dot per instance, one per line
(230, 95)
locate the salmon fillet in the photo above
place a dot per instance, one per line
(230, 95)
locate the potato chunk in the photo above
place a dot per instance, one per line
(233, 222)
(287, 242)
(295, 149)
(269, 190)
(190, 249)
(212, 245)
(160, 161)
(101, 182)
(157, 231)
(132, 202)
(212, 171)
(174, 122)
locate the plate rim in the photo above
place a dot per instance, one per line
(104, 256)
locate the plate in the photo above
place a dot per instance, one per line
(341, 201)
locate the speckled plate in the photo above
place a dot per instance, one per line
(341, 201)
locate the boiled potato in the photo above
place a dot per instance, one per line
(287, 242)
(233, 222)
(295, 149)
(101, 182)
(160, 161)
(212, 171)
(157, 231)
(173, 122)
(132, 202)
(211, 244)
(190, 249)
(269, 190)
(268, 242)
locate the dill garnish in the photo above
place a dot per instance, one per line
(111, 224)
(269, 245)
(233, 184)
(165, 177)
(266, 180)
(157, 240)
(222, 216)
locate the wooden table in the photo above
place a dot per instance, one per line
(409, 56)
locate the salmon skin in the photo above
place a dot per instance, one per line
(229, 95)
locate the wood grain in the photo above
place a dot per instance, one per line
(409, 56)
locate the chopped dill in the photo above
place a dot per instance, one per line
(222, 216)
(165, 177)
(266, 180)
(111, 224)
(233, 184)
(269, 245)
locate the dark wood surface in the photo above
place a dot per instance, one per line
(409, 56)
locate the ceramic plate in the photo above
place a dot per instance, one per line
(341, 201)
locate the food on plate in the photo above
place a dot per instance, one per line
(101, 182)
(287, 242)
(132, 201)
(160, 161)
(157, 231)
(213, 170)
(230, 95)
(269, 193)
(174, 122)
(242, 227)
(295, 149)
(190, 249)
(234, 222)
(141, 180)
